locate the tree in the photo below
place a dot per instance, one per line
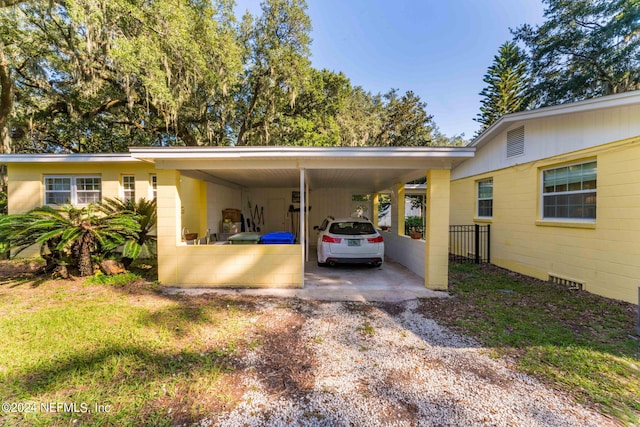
(405, 121)
(181, 60)
(360, 118)
(507, 89)
(276, 67)
(70, 233)
(101, 75)
(585, 48)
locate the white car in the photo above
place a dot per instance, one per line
(349, 240)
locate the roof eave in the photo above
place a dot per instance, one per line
(69, 158)
(172, 153)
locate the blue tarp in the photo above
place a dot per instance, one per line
(277, 238)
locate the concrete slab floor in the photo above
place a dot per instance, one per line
(391, 282)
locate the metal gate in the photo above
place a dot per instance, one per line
(470, 243)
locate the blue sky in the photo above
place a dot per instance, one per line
(439, 49)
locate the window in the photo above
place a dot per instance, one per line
(515, 142)
(77, 190)
(153, 181)
(352, 228)
(128, 188)
(485, 198)
(57, 190)
(569, 192)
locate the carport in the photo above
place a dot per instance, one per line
(194, 184)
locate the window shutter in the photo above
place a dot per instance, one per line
(515, 142)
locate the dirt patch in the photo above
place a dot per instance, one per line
(286, 364)
(390, 308)
(359, 308)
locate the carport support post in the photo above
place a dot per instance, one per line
(306, 223)
(303, 215)
(436, 236)
(400, 202)
(168, 225)
(374, 214)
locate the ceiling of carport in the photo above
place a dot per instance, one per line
(361, 179)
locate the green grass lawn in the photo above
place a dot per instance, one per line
(115, 352)
(573, 340)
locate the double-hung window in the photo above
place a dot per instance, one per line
(485, 198)
(569, 192)
(128, 188)
(77, 190)
(153, 186)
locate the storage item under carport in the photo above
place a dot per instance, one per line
(232, 215)
(278, 238)
(245, 238)
(231, 227)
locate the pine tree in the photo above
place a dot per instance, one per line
(507, 89)
(584, 49)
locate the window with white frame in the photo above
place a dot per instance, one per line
(77, 190)
(153, 182)
(569, 192)
(485, 198)
(128, 188)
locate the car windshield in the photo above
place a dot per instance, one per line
(352, 228)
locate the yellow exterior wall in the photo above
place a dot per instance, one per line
(26, 183)
(605, 256)
(193, 195)
(239, 266)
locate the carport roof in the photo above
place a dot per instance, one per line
(365, 168)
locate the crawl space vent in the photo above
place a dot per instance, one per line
(570, 283)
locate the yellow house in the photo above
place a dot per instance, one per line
(560, 187)
(279, 188)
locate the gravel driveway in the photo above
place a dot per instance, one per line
(354, 364)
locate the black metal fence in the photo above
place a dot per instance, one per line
(470, 243)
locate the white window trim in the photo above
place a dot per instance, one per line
(73, 188)
(478, 198)
(153, 192)
(124, 190)
(559, 221)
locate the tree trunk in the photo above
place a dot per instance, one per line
(6, 104)
(247, 117)
(85, 266)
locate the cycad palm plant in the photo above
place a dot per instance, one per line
(146, 213)
(72, 232)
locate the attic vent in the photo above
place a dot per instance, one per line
(515, 142)
(570, 283)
